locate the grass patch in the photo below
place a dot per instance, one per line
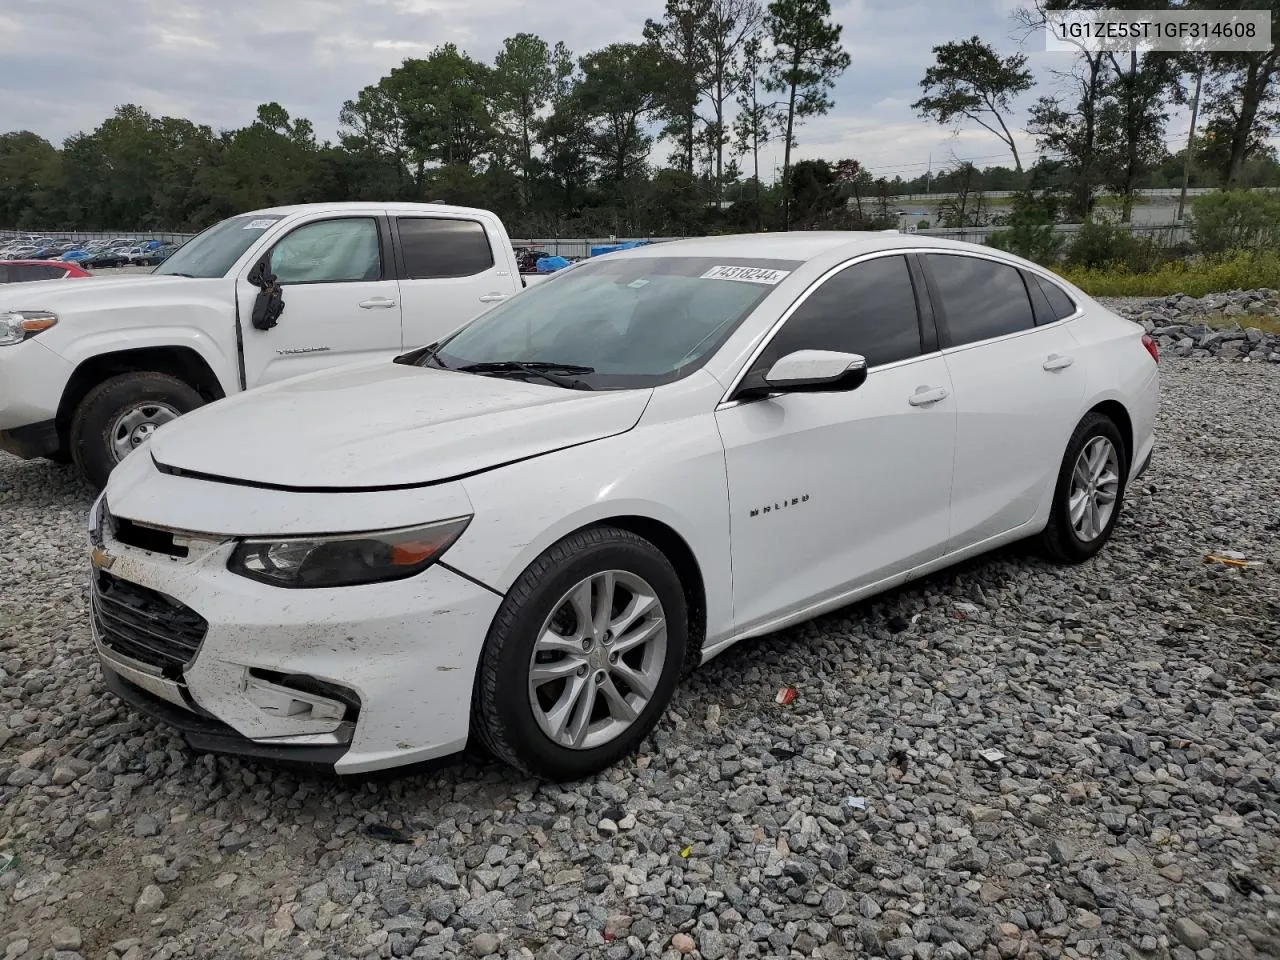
(1264, 323)
(1248, 270)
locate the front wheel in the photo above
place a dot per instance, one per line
(582, 657)
(120, 414)
(1089, 493)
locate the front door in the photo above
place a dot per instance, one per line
(341, 302)
(829, 492)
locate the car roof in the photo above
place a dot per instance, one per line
(37, 263)
(801, 245)
(356, 205)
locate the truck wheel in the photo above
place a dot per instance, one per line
(119, 415)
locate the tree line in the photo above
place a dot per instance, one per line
(562, 144)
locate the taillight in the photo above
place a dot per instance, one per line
(1152, 347)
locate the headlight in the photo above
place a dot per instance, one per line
(18, 325)
(347, 560)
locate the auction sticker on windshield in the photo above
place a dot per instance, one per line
(258, 224)
(746, 274)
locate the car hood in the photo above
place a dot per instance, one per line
(92, 292)
(385, 425)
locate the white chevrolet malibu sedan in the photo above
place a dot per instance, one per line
(523, 534)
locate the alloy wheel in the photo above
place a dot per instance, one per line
(1095, 485)
(598, 659)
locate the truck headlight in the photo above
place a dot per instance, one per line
(346, 560)
(19, 325)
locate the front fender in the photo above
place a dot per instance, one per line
(220, 357)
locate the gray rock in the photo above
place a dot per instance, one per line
(1190, 933)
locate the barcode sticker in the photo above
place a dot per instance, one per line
(747, 275)
(258, 224)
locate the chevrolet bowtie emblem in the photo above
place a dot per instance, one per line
(101, 560)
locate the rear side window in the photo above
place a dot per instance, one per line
(1060, 305)
(868, 309)
(981, 299)
(436, 248)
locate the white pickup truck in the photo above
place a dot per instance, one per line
(89, 370)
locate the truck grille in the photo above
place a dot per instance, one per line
(146, 626)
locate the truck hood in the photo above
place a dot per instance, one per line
(382, 425)
(94, 292)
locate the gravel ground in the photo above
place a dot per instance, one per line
(1133, 809)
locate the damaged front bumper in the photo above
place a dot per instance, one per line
(353, 679)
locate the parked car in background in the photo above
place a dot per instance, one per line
(88, 371)
(110, 257)
(523, 534)
(154, 256)
(26, 271)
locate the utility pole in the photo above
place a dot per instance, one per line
(1191, 137)
(928, 176)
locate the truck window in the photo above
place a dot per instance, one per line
(329, 251)
(437, 248)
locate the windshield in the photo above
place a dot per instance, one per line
(214, 252)
(620, 323)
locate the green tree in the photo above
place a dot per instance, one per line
(758, 121)
(524, 82)
(730, 27)
(680, 38)
(619, 94)
(805, 61)
(30, 175)
(1241, 94)
(970, 81)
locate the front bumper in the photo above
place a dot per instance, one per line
(354, 679)
(32, 378)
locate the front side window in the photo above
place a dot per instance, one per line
(437, 248)
(213, 252)
(868, 309)
(981, 298)
(633, 322)
(329, 251)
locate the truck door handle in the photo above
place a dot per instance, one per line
(376, 302)
(493, 297)
(1057, 362)
(924, 396)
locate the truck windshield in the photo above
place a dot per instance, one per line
(213, 252)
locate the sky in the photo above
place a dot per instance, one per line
(213, 61)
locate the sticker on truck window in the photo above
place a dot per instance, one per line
(746, 274)
(258, 224)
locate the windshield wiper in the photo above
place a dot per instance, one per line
(536, 368)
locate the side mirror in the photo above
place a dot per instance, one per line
(269, 303)
(808, 371)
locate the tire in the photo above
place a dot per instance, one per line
(1062, 540)
(503, 716)
(92, 447)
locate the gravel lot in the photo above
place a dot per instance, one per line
(1135, 811)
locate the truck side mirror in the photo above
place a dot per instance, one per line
(269, 303)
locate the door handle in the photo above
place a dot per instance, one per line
(924, 396)
(375, 302)
(1057, 362)
(493, 297)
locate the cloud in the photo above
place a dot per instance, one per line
(214, 62)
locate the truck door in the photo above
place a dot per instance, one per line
(449, 274)
(341, 302)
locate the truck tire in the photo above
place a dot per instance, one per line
(120, 414)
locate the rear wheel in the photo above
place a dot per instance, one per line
(120, 415)
(1090, 492)
(582, 657)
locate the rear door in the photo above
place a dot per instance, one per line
(1018, 390)
(341, 302)
(449, 273)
